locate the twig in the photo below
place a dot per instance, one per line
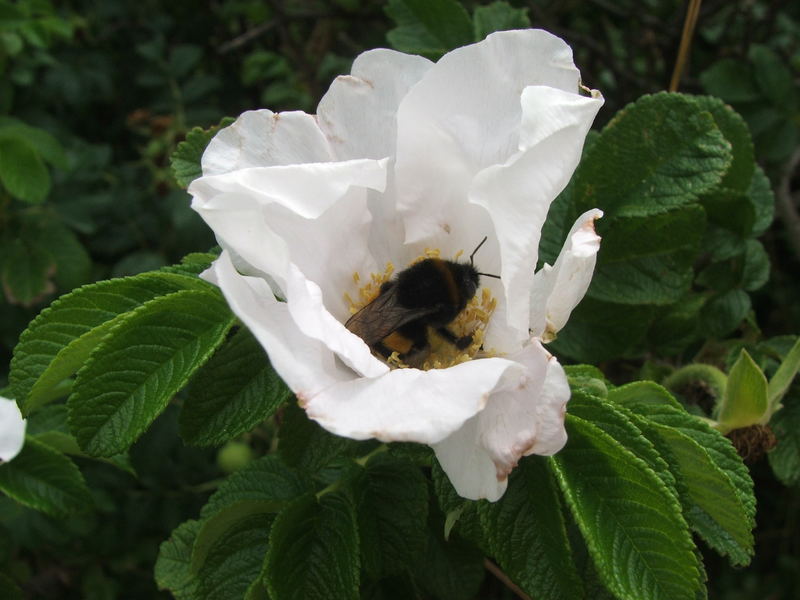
(786, 204)
(248, 35)
(498, 572)
(686, 43)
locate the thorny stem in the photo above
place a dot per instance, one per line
(689, 23)
(786, 204)
(497, 572)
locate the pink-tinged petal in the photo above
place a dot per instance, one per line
(357, 114)
(12, 429)
(518, 421)
(464, 116)
(410, 405)
(517, 194)
(262, 138)
(557, 290)
(306, 365)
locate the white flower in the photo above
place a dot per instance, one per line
(12, 430)
(405, 155)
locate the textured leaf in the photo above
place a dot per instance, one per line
(449, 569)
(305, 445)
(25, 270)
(60, 339)
(185, 160)
(232, 393)
(763, 200)
(723, 313)
(598, 330)
(657, 405)
(265, 479)
(46, 480)
(141, 363)
(785, 458)
(313, 550)
(649, 260)
(659, 153)
(527, 535)
(755, 272)
(429, 27)
(499, 16)
(730, 80)
(22, 171)
(632, 523)
(392, 515)
(234, 561)
(172, 570)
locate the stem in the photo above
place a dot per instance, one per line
(692, 12)
(497, 572)
(364, 459)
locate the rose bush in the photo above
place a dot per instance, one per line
(406, 157)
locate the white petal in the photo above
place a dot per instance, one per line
(306, 365)
(410, 404)
(357, 114)
(464, 115)
(517, 194)
(12, 429)
(526, 419)
(557, 290)
(272, 217)
(262, 138)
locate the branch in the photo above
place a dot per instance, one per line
(497, 572)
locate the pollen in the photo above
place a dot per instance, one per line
(472, 321)
(367, 292)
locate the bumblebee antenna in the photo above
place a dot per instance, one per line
(486, 237)
(471, 256)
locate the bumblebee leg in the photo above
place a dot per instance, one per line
(459, 342)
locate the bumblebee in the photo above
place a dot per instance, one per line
(428, 294)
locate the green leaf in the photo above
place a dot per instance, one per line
(9, 590)
(657, 405)
(755, 272)
(140, 364)
(185, 161)
(745, 400)
(774, 79)
(305, 445)
(763, 200)
(313, 550)
(216, 528)
(449, 569)
(232, 393)
(735, 130)
(392, 515)
(710, 502)
(60, 339)
(22, 171)
(785, 457)
(429, 27)
(527, 535)
(25, 269)
(46, 480)
(266, 479)
(598, 330)
(723, 313)
(499, 16)
(731, 80)
(657, 154)
(631, 521)
(172, 569)
(782, 379)
(649, 260)
(48, 147)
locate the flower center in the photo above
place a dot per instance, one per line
(469, 323)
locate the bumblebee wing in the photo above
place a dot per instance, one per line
(382, 316)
